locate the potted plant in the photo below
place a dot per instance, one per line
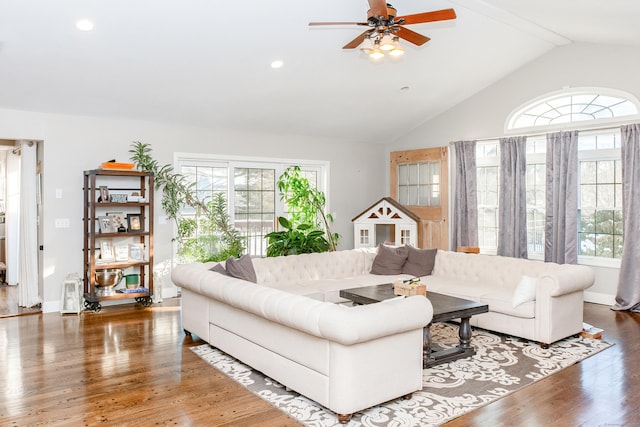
(306, 205)
(209, 236)
(294, 240)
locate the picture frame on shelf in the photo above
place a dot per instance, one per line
(106, 224)
(136, 252)
(134, 223)
(122, 253)
(118, 198)
(119, 220)
(107, 252)
(104, 194)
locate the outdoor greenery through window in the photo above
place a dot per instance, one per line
(249, 186)
(487, 164)
(600, 194)
(600, 203)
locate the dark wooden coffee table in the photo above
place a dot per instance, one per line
(445, 308)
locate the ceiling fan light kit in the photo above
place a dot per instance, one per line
(386, 29)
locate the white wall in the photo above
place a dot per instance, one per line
(73, 144)
(484, 114)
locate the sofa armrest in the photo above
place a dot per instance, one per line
(566, 279)
(351, 325)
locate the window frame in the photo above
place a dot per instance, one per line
(489, 162)
(584, 125)
(321, 167)
(598, 155)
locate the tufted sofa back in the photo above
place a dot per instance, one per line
(502, 272)
(315, 266)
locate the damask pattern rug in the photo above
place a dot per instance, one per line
(502, 365)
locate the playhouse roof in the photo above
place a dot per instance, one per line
(389, 200)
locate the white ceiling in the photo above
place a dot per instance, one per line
(207, 62)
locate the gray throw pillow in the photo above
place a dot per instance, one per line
(218, 268)
(419, 262)
(389, 260)
(241, 268)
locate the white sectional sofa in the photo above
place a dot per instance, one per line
(292, 326)
(550, 295)
(345, 358)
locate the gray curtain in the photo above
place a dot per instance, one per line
(512, 204)
(465, 203)
(561, 217)
(628, 296)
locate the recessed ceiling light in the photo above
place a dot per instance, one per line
(277, 64)
(84, 25)
(404, 89)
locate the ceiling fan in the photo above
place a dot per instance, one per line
(385, 27)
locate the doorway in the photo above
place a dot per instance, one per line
(419, 181)
(20, 232)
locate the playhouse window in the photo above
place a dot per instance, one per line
(364, 237)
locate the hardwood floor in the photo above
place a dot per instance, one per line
(9, 303)
(132, 366)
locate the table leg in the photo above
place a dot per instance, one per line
(427, 356)
(465, 333)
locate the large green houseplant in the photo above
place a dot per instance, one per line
(306, 204)
(294, 240)
(209, 236)
(308, 228)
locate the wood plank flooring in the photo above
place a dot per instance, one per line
(131, 366)
(9, 303)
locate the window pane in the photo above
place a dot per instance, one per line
(604, 245)
(606, 171)
(240, 179)
(604, 221)
(587, 244)
(588, 172)
(588, 196)
(617, 222)
(403, 195)
(606, 195)
(587, 221)
(587, 142)
(269, 179)
(617, 246)
(403, 174)
(605, 141)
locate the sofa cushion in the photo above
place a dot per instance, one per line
(499, 301)
(218, 268)
(241, 268)
(525, 291)
(389, 260)
(419, 261)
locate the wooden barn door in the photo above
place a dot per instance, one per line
(419, 181)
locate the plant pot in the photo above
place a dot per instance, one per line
(132, 281)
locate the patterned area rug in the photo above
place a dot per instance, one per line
(502, 365)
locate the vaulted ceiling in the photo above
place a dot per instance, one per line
(207, 62)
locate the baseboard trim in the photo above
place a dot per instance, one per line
(599, 298)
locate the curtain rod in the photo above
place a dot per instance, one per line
(18, 149)
(588, 129)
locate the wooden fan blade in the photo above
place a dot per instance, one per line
(355, 42)
(412, 36)
(436, 15)
(378, 8)
(311, 24)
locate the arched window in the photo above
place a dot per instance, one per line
(593, 105)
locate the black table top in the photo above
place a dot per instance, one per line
(445, 307)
